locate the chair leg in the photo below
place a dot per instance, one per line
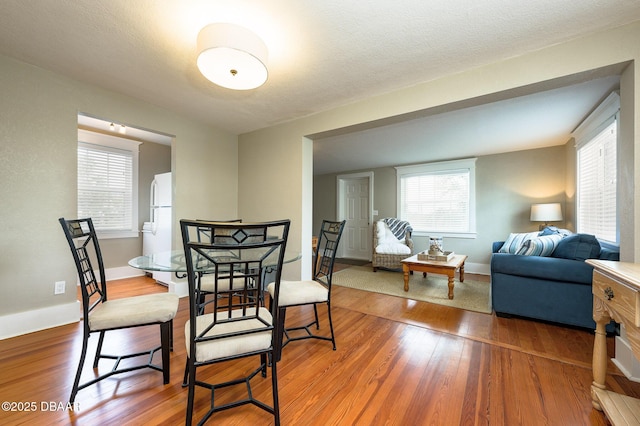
(263, 362)
(315, 312)
(279, 330)
(191, 395)
(171, 335)
(274, 390)
(165, 342)
(185, 380)
(83, 356)
(333, 339)
(98, 349)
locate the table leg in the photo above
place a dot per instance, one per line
(601, 318)
(451, 276)
(405, 270)
(462, 272)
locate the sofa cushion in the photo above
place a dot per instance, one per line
(609, 254)
(540, 246)
(515, 240)
(393, 248)
(542, 268)
(578, 247)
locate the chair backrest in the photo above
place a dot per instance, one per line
(235, 256)
(204, 235)
(83, 242)
(326, 250)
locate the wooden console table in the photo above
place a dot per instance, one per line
(616, 295)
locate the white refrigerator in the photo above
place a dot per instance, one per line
(158, 235)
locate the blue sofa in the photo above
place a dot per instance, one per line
(555, 287)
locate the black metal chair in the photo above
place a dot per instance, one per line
(101, 314)
(310, 292)
(233, 323)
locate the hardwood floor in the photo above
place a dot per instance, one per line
(399, 362)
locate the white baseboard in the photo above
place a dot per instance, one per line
(625, 360)
(39, 319)
(477, 268)
(57, 315)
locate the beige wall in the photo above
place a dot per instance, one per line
(275, 181)
(506, 186)
(564, 63)
(38, 144)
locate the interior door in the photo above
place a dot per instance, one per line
(356, 238)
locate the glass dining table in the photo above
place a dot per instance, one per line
(174, 261)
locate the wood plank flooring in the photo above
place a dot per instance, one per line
(399, 362)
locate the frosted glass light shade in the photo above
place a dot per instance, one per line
(551, 212)
(232, 56)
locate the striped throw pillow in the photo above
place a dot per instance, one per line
(515, 240)
(540, 246)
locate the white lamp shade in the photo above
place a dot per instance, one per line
(551, 212)
(232, 56)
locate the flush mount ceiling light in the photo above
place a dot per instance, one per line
(232, 56)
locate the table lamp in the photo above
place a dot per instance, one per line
(550, 212)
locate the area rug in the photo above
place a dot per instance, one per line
(469, 295)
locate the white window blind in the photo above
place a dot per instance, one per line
(107, 184)
(438, 198)
(597, 183)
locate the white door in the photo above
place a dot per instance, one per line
(356, 238)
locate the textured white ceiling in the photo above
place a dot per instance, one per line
(537, 120)
(322, 54)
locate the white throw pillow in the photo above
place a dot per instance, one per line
(380, 232)
(387, 242)
(384, 234)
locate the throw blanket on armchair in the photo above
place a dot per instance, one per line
(398, 227)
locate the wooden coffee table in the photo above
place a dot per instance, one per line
(449, 268)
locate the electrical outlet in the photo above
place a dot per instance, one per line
(59, 287)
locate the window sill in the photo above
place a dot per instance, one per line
(106, 235)
(465, 235)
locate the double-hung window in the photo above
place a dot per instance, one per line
(596, 143)
(438, 198)
(108, 183)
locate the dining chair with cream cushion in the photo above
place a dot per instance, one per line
(101, 314)
(231, 323)
(310, 292)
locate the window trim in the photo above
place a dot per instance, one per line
(427, 168)
(602, 117)
(115, 142)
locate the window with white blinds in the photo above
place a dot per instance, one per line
(107, 183)
(597, 212)
(438, 198)
(596, 195)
